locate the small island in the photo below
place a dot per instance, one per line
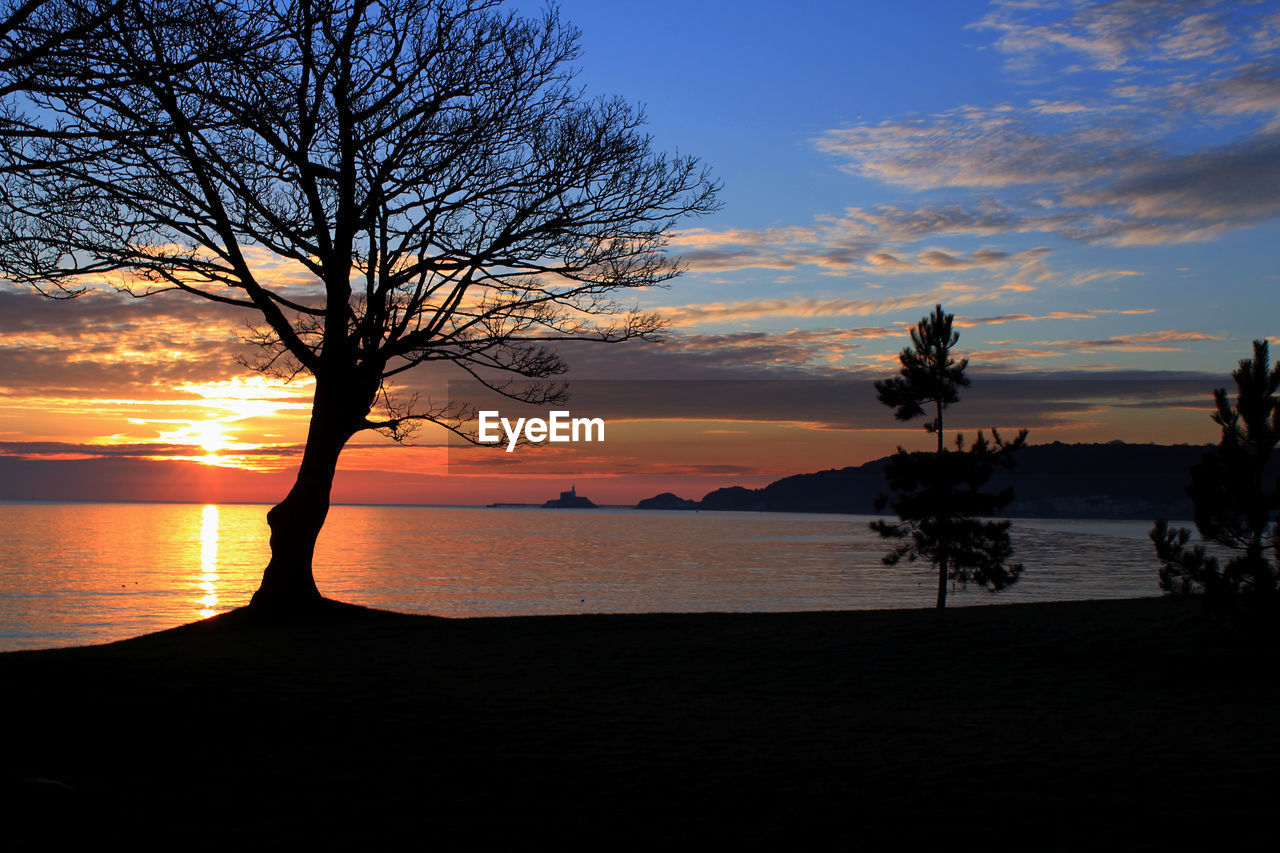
(569, 500)
(667, 500)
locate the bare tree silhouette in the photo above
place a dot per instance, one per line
(27, 36)
(431, 165)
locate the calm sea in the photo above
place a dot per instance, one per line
(72, 574)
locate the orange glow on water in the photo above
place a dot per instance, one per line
(209, 561)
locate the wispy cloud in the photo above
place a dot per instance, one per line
(980, 148)
(815, 351)
(1170, 340)
(1116, 35)
(1111, 168)
(811, 307)
(106, 329)
(854, 243)
(63, 450)
(1086, 314)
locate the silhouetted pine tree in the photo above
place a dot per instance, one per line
(929, 374)
(938, 496)
(1236, 498)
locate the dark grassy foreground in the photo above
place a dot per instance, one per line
(1118, 724)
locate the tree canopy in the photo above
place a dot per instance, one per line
(438, 184)
(1235, 491)
(929, 374)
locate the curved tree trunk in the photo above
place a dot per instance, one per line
(295, 522)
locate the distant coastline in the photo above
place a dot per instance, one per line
(1102, 481)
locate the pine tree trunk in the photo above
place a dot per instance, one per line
(942, 532)
(942, 581)
(295, 522)
(938, 420)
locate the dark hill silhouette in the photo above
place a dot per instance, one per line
(1115, 480)
(666, 500)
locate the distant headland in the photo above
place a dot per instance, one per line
(1114, 480)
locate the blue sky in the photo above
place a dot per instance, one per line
(1031, 158)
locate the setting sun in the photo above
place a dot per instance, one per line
(211, 436)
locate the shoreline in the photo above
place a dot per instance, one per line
(1060, 725)
(239, 613)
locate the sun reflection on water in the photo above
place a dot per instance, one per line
(209, 561)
